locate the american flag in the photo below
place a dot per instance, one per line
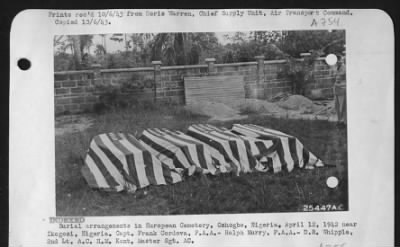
(117, 161)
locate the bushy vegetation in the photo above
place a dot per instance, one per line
(75, 52)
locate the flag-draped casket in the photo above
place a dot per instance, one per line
(286, 153)
(235, 149)
(180, 151)
(117, 161)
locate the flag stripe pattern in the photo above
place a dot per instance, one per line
(236, 150)
(117, 161)
(175, 155)
(179, 150)
(290, 151)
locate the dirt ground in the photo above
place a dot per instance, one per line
(71, 124)
(293, 107)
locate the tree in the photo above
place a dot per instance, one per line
(140, 40)
(74, 45)
(295, 42)
(86, 41)
(100, 50)
(192, 48)
(204, 45)
(181, 48)
(62, 44)
(104, 43)
(141, 49)
(170, 48)
(246, 50)
(77, 54)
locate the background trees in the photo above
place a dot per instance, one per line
(325, 41)
(70, 51)
(75, 52)
(182, 48)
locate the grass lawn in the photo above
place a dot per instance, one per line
(200, 194)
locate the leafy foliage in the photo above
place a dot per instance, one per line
(63, 62)
(300, 72)
(140, 49)
(182, 48)
(77, 46)
(296, 42)
(246, 51)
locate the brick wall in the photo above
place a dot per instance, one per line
(73, 91)
(324, 77)
(77, 91)
(170, 88)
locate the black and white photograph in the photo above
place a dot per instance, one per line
(200, 123)
(199, 127)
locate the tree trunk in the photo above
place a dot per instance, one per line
(76, 43)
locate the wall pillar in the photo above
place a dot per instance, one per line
(258, 91)
(158, 89)
(97, 77)
(260, 68)
(211, 68)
